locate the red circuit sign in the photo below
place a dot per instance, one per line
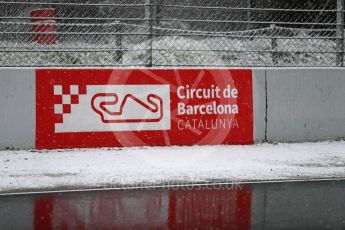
(79, 108)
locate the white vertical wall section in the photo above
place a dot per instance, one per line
(17, 108)
(305, 104)
(259, 102)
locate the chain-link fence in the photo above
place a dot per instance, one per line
(172, 33)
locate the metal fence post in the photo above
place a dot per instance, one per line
(119, 48)
(155, 16)
(274, 45)
(158, 12)
(249, 14)
(340, 33)
(149, 19)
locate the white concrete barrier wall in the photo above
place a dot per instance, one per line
(17, 108)
(259, 103)
(305, 104)
(290, 105)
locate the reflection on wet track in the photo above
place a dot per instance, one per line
(298, 205)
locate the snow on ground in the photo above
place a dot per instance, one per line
(110, 168)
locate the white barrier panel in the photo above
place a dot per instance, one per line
(305, 104)
(259, 103)
(18, 106)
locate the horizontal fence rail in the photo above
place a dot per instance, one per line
(172, 33)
